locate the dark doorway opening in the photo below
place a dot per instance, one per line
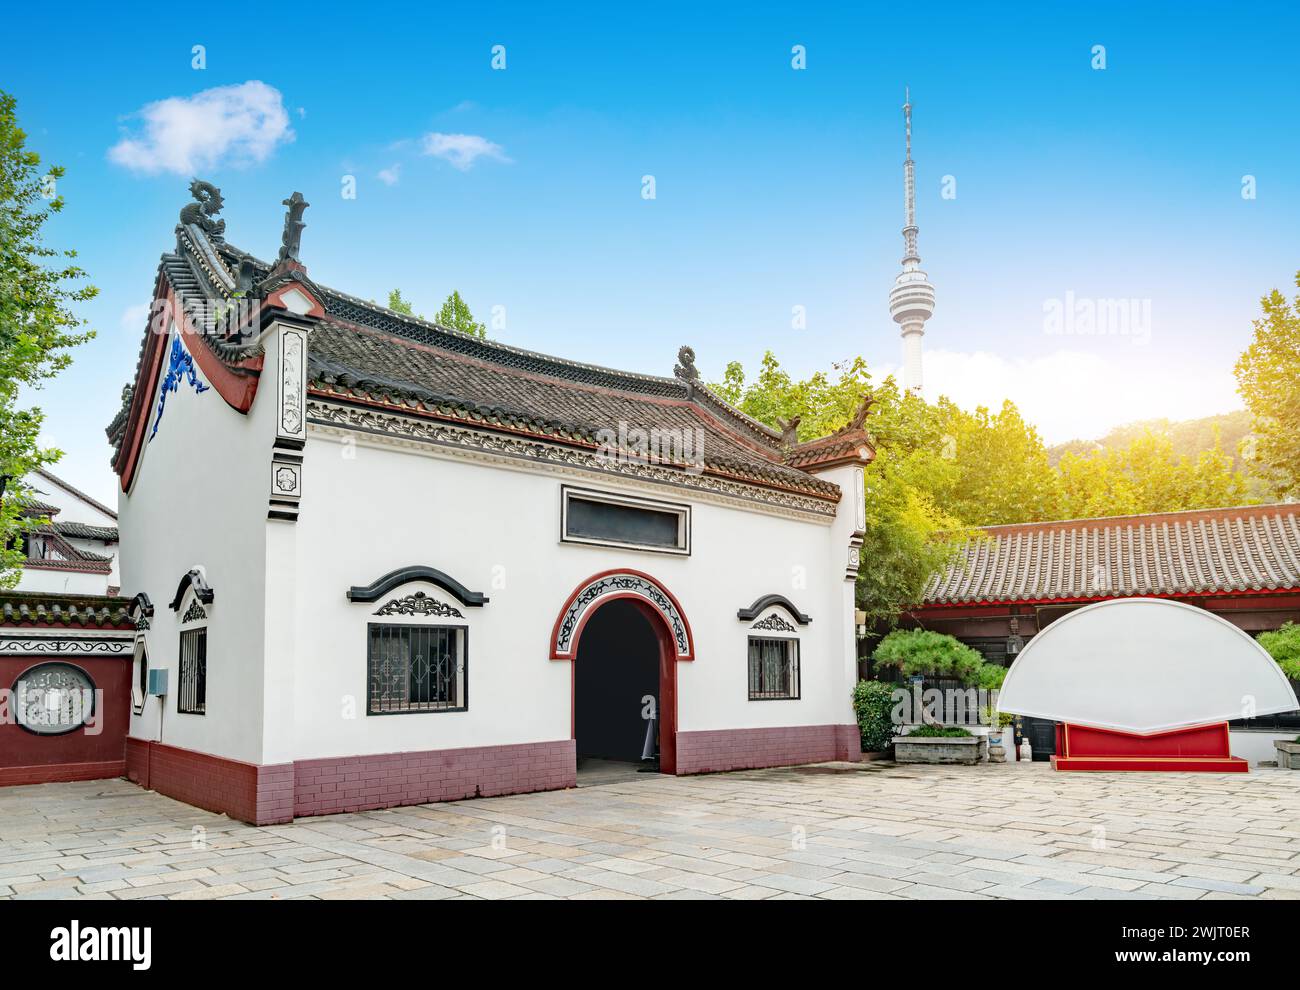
(616, 687)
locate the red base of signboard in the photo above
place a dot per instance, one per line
(1201, 748)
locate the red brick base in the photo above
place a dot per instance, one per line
(747, 749)
(356, 783)
(266, 795)
(59, 772)
(262, 795)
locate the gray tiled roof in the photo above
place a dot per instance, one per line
(18, 608)
(362, 351)
(1202, 552)
(84, 531)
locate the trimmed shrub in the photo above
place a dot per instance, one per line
(927, 653)
(936, 731)
(872, 704)
(1283, 645)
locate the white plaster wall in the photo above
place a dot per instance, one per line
(1256, 745)
(72, 508)
(62, 582)
(199, 499)
(368, 509)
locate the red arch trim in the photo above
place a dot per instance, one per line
(571, 652)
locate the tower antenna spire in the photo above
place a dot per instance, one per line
(911, 301)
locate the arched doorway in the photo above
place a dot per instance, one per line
(616, 687)
(636, 626)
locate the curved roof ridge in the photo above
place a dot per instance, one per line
(713, 401)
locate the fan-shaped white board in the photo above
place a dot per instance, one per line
(1144, 665)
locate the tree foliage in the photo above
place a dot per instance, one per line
(1000, 468)
(1283, 645)
(926, 653)
(400, 305)
(456, 315)
(1268, 377)
(873, 703)
(940, 470)
(1147, 476)
(39, 286)
(908, 535)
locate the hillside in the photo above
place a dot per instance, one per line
(1189, 436)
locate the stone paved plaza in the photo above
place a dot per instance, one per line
(832, 831)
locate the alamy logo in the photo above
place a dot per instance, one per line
(77, 944)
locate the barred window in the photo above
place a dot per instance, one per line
(773, 668)
(417, 669)
(192, 699)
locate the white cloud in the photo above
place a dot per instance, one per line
(133, 318)
(389, 176)
(237, 125)
(1080, 394)
(461, 150)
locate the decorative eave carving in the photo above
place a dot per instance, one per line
(420, 603)
(560, 454)
(766, 602)
(774, 623)
(403, 575)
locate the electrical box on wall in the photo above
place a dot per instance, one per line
(158, 682)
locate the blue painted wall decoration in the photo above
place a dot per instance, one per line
(180, 366)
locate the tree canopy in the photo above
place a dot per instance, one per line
(1268, 377)
(39, 286)
(455, 313)
(941, 470)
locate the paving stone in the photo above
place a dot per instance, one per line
(918, 832)
(1201, 883)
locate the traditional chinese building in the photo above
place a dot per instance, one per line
(1009, 582)
(376, 561)
(73, 549)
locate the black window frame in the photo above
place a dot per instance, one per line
(682, 510)
(461, 631)
(199, 670)
(140, 676)
(794, 675)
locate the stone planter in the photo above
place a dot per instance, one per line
(941, 749)
(1288, 755)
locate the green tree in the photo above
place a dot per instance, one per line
(399, 305)
(1268, 377)
(908, 536)
(1148, 475)
(1002, 471)
(1283, 645)
(38, 288)
(456, 315)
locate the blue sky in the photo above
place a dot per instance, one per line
(775, 188)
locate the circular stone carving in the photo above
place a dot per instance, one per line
(51, 699)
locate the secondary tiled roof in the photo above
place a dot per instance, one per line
(1173, 554)
(24, 608)
(85, 531)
